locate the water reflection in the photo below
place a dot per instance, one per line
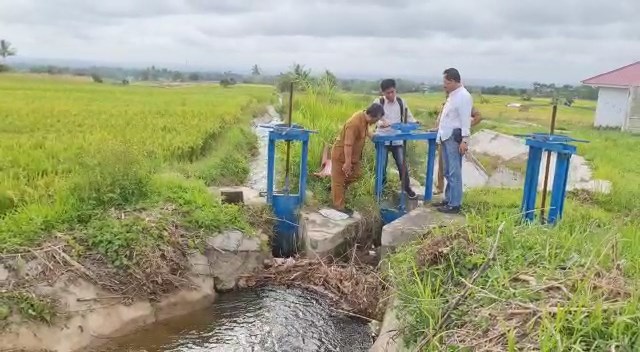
(270, 319)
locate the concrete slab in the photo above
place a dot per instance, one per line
(389, 338)
(413, 225)
(497, 144)
(507, 148)
(505, 178)
(322, 236)
(473, 175)
(234, 241)
(231, 255)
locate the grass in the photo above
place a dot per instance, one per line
(326, 111)
(578, 281)
(27, 306)
(568, 287)
(71, 148)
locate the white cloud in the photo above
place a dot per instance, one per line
(560, 40)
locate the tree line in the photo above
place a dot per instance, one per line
(296, 73)
(545, 90)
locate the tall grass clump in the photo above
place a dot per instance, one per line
(571, 287)
(324, 109)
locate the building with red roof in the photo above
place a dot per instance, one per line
(618, 98)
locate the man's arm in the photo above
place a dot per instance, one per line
(349, 139)
(476, 117)
(465, 105)
(382, 123)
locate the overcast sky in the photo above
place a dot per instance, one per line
(545, 40)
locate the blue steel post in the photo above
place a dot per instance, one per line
(405, 132)
(558, 191)
(286, 206)
(303, 171)
(539, 143)
(566, 180)
(380, 158)
(428, 189)
(531, 182)
(271, 163)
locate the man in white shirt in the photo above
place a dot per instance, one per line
(454, 130)
(394, 110)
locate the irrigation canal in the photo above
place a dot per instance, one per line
(267, 319)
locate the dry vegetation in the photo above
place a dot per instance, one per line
(352, 287)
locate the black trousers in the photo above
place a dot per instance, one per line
(396, 152)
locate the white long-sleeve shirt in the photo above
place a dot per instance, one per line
(456, 113)
(392, 114)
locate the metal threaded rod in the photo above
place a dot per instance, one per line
(288, 157)
(546, 171)
(403, 118)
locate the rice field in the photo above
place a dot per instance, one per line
(67, 144)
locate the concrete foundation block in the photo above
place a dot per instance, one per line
(414, 224)
(322, 236)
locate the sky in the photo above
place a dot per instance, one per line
(562, 41)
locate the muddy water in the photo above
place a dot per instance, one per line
(258, 172)
(270, 319)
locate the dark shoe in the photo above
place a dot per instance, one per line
(449, 210)
(411, 194)
(440, 204)
(345, 211)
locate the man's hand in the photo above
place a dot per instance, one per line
(463, 148)
(347, 168)
(384, 123)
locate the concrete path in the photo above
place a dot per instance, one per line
(413, 225)
(505, 148)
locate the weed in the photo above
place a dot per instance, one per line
(27, 306)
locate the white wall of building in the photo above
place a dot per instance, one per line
(612, 107)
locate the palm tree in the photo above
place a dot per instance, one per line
(300, 72)
(6, 50)
(255, 70)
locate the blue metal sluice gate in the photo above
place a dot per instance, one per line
(402, 132)
(538, 144)
(286, 206)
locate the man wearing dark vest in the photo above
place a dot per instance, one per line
(395, 111)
